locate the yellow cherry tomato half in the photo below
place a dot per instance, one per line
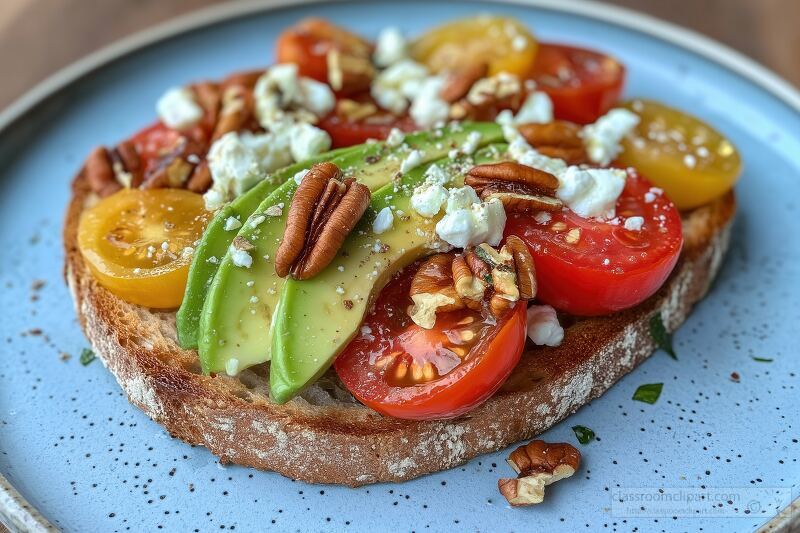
(138, 243)
(681, 154)
(502, 43)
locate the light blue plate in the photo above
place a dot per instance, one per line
(74, 447)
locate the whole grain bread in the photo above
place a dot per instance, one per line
(325, 436)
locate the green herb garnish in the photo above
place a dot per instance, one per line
(762, 359)
(661, 335)
(648, 393)
(584, 434)
(87, 356)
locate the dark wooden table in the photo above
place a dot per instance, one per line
(37, 37)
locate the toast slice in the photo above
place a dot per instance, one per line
(325, 436)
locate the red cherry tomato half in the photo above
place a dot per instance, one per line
(583, 84)
(591, 267)
(345, 132)
(401, 370)
(307, 45)
(152, 141)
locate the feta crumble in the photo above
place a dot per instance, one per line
(391, 47)
(241, 258)
(383, 221)
(603, 137)
(471, 226)
(412, 161)
(232, 223)
(428, 198)
(591, 192)
(178, 109)
(306, 141)
(634, 223)
(543, 326)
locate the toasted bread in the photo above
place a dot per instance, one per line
(325, 436)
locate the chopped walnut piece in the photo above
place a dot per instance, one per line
(323, 212)
(537, 465)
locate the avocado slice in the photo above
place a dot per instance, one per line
(216, 241)
(317, 318)
(238, 310)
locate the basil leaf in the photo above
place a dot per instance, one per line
(648, 393)
(661, 336)
(87, 356)
(584, 434)
(762, 359)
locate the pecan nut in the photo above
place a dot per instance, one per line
(519, 187)
(323, 212)
(100, 174)
(458, 83)
(537, 465)
(559, 139)
(175, 164)
(349, 73)
(432, 290)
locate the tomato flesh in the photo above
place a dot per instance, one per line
(402, 370)
(590, 267)
(346, 132)
(583, 84)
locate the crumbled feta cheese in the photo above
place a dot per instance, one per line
(254, 299)
(298, 178)
(468, 227)
(282, 95)
(178, 109)
(428, 109)
(393, 87)
(412, 161)
(232, 366)
(339, 289)
(591, 192)
(427, 199)
(649, 197)
(306, 141)
(383, 221)
(241, 258)
(603, 137)
(634, 223)
(316, 96)
(543, 326)
(461, 198)
(436, 175)
(232, 223)
(471, 143)
(497, 87)
(542, 217)
(395, 138)
(537, 108)
(238, 161)
(390, 47)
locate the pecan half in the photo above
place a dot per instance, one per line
(323, 212)
(519, 187)
(236, 111)
(459, 82)
(108, 171)
(537, 465)
(432, 290)
(559, 139)
(175, 165)
(100, 174)
(349, 73)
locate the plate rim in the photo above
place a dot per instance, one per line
(14, 509)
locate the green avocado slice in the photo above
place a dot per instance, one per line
(318, 317)
(238, 310)
(216, 240)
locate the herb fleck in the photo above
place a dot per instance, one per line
(762, 359)
(584, 434)
(87, 356)
(648, 393)
(661, 336)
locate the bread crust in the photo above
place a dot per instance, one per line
(344, 442)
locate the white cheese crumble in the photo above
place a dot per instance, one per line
(383, 221)
(178, 109)
(306, 141)
(238, 161)
(281, 95)
(537, 108)
(634, 223)
(395, 138)
(461, 198)
(298, 177)
(437, 175)
(497, 87)
(428, 109)
(393, 87)
(428, 198)
(412, 161)
(542, 217)
(591, 192)
(471, 143)
(241, 258)
(543, 326)
(232, 366)
(603, 137)
(391, 47)
(477, 224)
(232, 223)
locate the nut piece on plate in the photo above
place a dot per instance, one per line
(559, 139)
(108, 171)
(458, 82)
(521, 189)
(537, 465)
(349, 73)
(323, 212)
(481, 275)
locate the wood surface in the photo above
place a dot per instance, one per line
(37, 37)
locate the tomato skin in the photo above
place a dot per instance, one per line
(479, 374)
(594, 84)
(345, 132)
(576, 279)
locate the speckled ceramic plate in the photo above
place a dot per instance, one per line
(714, 453)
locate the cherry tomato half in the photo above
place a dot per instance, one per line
(591, 267)
(307, 44)
(583, 84)
(402, 370)
(138, 243)
(347, 132)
